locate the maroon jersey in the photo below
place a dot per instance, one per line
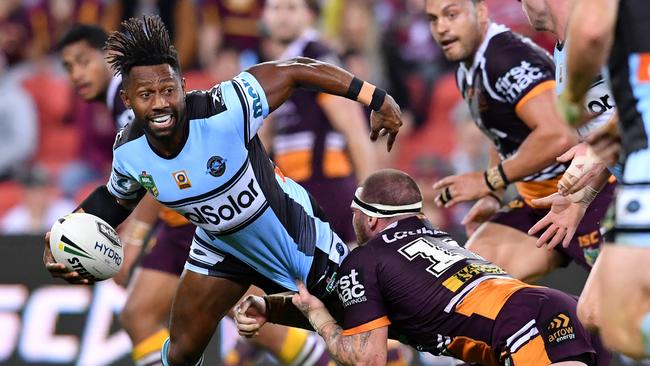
(438, 297)
(309, 150)
(507, 71)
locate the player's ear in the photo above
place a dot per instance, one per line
(372, 223)
(125, 99)
(482, 12)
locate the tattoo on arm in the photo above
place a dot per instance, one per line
(349, 350)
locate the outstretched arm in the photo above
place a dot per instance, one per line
(280, 78)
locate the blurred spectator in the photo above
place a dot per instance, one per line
(231, 24)
(50, 19)
(18, 123)
(413, 61)
(14, 31)
(224, 65)
(180, 18)
(471, 152)
(40, 206)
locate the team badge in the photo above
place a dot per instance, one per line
(146, 181)
(216, 166)
(181, 179)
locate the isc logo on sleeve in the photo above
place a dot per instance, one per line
(351, 290)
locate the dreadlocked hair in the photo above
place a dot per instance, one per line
(144, 41)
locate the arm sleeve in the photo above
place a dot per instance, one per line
(518, 73)
(120, 183)
(246, 102)
(360, 294)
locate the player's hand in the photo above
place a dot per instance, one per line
(482, 210)
(386, 122)
(460, 188)
(250, 315)
(57, 269)
(585, 165)
(304, 301)
(606, 143)
(561, 222)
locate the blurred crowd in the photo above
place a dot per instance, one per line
(55, 147)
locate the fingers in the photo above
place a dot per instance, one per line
(567, 156)
(539, 226)
(582, 182)
(544, 201)
(566, 182)
(471, 228)
(557, 238)
(569, 235)
(444, 182)
(391, 141)
(550, 232)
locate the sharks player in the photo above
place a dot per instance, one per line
(198, 154)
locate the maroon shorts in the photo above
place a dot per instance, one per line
(584, 246)
(538, 326)
(171, 249)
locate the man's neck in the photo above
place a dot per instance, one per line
(484, 31)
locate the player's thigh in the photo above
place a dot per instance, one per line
(514, 251)
(624, 281)
(149, 299)
(201, 301)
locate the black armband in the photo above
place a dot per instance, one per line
(103, 204)
(281, 310)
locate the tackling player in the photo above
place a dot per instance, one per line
(198, 153)
(509, 85)
(616, 30)
(410, 281)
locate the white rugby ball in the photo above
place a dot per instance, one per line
(86, 244)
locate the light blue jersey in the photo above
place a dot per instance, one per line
(224, 183)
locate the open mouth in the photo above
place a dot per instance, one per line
(448, 43)
(162, 121)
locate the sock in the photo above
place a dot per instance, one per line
(162, 355)
(147, 352)
(243, 354)
(304, 348)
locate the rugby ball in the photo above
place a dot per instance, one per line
(86, 244)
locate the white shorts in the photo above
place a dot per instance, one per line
(633, 201)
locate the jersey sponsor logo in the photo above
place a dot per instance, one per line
(514, 82)
(257, 101)
(351, 289)
(216, 166)
(643, 72)
(181, 179)
(80, 269)
(399, 235)
(217, 97)
(600, 105)
(440, 258)
(228, 209)
(147, 182)
(468, 273)
(559, 329)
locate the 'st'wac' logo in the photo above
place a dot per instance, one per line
(560, 329)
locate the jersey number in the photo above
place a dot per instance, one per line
(441, 258)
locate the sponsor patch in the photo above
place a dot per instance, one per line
(468, 273)
(147, 182)
(351, 289)
(517, 80)
(559, 329)
(181, 179)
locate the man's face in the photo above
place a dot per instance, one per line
(538, 14)
(360, 223)
(157, 96)
(456, 26)
(87, 69)
(286, 19)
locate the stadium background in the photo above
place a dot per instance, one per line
(55, 148)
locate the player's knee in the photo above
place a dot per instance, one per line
(174, 354)
(588, 315)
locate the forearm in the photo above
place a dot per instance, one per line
(537, 152)
(280, 78)
(107, 207)
(280, 310)
(351, 350)
(591, 33)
